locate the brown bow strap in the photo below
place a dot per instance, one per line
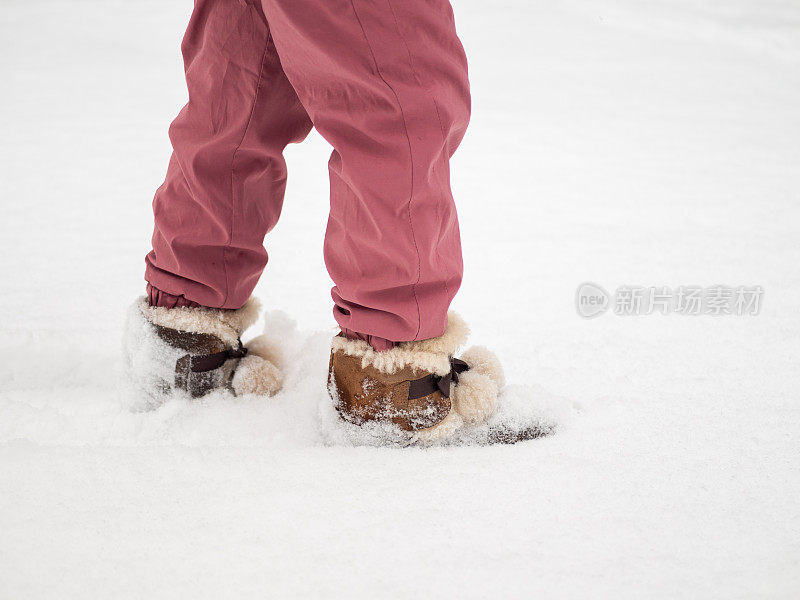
(209, 362)
(424, 386)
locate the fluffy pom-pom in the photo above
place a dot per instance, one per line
(475, 396)
(255, 375)
(484, 361)
(267, 348)
(441, 431)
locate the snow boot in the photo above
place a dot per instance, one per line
(194, 351)
(418, 388)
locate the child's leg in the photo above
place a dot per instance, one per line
(385, 82)
(225, 182)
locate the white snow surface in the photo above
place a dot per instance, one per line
(616, 141)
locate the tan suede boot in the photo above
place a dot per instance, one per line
(419, 387)
(367, 394)
(195, 351)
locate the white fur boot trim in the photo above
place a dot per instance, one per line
(227, 325)
(255, 375)
(475, 396)
(484, 361)
(268, 348)
(432, 355)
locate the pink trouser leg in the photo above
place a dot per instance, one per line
(225, 181)
(385, 82)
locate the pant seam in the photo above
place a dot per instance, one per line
(411, 161)
(233, 169)
(433, 100)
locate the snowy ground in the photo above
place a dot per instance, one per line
(617, 141)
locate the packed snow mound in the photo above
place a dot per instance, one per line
(305, 408)
(302, 414)
(523, 413)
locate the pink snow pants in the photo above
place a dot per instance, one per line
(385, 83)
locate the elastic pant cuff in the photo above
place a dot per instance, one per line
(156, 297)
(379, 344)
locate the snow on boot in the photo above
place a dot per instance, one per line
(421, 391)
(195, 351)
